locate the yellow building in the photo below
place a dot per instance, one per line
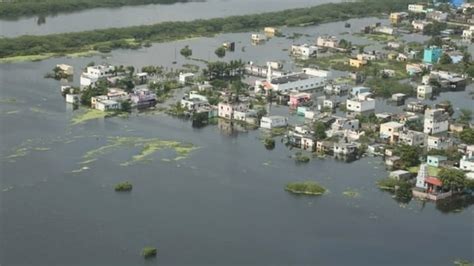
(395, 18)
(353, 62)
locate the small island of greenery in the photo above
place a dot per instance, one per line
(300, 158)
(149, 252)
(269, 143)
(307, 188)
(123, 186)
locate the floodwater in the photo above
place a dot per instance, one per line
(222, 204)
(102, 18)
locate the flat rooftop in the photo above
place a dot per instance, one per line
(292, 78)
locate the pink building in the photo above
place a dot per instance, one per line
(299, 98)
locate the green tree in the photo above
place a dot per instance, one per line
(409, 156)
(467, 136)
(186, 51)
(126, 106)
(465, 117)
(320, 130)
(220, 52)
(453, 179)
(445, 59)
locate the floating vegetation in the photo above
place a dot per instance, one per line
(20, 152)
(462, 262)
(41, 149)
(7, 100)
(37, 110)
(307, 188)
(90, 114)
(351, 193)
(149, 252)
(10, 112)
(123, 187)
(84, 168)
(148, 147)
(269, 143)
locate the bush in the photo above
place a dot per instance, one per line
(269, 143)
(149, 252)
(123, 186)
(387, 183)
(307, 187)
(300, 158)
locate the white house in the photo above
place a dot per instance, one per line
(257, 37)
(360, 105)
(94, 73)
(468, 33)
(106, 105)
(304, 51)
(438, 143)
(385, 30)
(424, 91)
(327, 41)
(291, 82)
(226, 110)
(436, 121)
(344, 148)
(270, 122)
(467, 163)
(72, 98)
(185, 77)
(416, 8)
(419, 25)
(411, 138)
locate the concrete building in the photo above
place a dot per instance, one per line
(436, 121)
(467, 163)
(292, 82)
(416, 8)
(390, 131)
(360, 105)
(468, 34)
(304, 51)
(437, 16)
(327, 41)
(270, 122)
(107, 105)
(257, 37)
(431, 55)
(227, 109)
(299, 98)
(435, 160)
(143, 97)
(411, 138)
(419, 25)
(357, 63)
(424, 91)
(438, 143)
(344, 148)
(73, 98)
(185, 77)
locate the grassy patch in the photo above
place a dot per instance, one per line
(147, 148)
(149, 252)
(90, 114)
(432, 171)
(351, 193)
(123, 187)
(307, 188)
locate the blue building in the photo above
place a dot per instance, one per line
(432, 55)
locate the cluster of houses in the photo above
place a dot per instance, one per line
(140, 96)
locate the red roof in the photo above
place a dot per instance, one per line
(434, 181)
